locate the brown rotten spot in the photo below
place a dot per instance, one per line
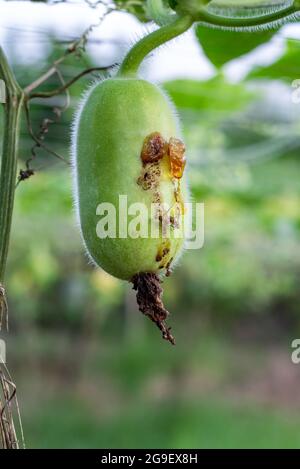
(154, 148)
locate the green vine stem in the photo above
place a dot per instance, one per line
(13, 107)
(246, 22)
(141, 49)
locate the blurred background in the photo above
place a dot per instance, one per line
(91, 371)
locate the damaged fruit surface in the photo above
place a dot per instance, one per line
(127, 142)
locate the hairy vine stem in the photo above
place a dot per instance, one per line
(141, 49)
(212, 19)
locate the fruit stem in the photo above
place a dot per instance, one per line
(141, 49)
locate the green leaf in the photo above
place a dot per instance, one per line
(287, 68)
(222, 46)
(215, 94)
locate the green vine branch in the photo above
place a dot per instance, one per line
(269, 19)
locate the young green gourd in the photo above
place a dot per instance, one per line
(115, 121)
(127, 149)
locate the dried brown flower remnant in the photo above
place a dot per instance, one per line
(176, 150)
(154, 148)
(149, 293)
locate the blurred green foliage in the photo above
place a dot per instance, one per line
(221, 46)
(172, 425)
(285, 68)
(215, 94)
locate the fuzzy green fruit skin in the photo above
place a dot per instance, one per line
(109, 133)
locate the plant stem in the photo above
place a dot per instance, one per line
(61, 89)
(139, 51)
(230, 22)
(13, 108)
